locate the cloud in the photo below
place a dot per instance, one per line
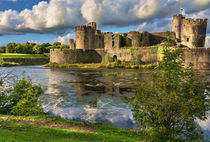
(13, 0)
(34, 41)
(63, 39)
(61, 15)
(207, 44)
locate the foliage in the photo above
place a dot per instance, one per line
(125, 41)
(108, 58)
(32, 48)
(2, 49)
(40, 49)
(169, 105)
(22, 99)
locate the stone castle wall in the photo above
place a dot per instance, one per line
(190, 32)
(149, 55)
(68, 56)
(199, 57)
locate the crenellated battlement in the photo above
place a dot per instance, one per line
(92, 25)
(80, 28)
(195, 21)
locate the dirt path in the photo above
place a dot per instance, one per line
(52, 124)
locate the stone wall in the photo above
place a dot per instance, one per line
(199, 57)
(74, 56)
(149, 55)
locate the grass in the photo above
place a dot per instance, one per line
(24, 129)
(15, 55)
(102, 65)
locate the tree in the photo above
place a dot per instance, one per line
(169, 105)
(10, 47)
(39, 49)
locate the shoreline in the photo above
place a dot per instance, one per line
(101, 66)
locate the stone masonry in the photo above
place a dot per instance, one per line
(92, 43)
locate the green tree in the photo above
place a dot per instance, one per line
(10, 47)
(169, 105)
(18, 49)
(22, 99)
(39, 49)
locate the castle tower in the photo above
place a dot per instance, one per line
(72, 44)
(177, 24)
(85, 36)
(190, 32)
(81, 37)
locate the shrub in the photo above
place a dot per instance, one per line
(108, 58)
(23, 99)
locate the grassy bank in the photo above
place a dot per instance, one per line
(14, 55)
(102, 65)
(12, 59)
(51, 129)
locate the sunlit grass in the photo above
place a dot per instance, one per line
(102, 65)
(13, 128)
(16, 55)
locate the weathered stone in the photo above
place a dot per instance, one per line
(191, 33)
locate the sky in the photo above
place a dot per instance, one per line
(42, 21)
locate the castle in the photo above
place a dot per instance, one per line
(191, 33)
(92, 45)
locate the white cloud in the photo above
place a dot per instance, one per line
(60, 15)
(34, 41)
(207, 44)
(63, 39)
(13, 0)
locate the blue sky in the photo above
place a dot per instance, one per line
(54, 20)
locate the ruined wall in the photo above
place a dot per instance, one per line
(199, 57)
(99, 40)
(74, 56)
(72, 44)
(190, 32)
(149, 55)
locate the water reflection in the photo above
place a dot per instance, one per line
(90, 94)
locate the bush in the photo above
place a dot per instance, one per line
(23, 99)
(108, 58)
(169, 105)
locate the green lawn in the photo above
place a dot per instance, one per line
(16, 55)
(37, 129)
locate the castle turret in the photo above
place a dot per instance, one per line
(81, 37)
(177, 25)
(190, 32)
(72, 44)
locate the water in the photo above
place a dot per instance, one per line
(93, 95)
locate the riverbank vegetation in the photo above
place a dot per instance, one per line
(31, 48)
(17, 55)
(16, 59)
(102, 66)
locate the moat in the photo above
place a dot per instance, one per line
(92, 95)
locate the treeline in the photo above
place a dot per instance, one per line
(31, 48)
